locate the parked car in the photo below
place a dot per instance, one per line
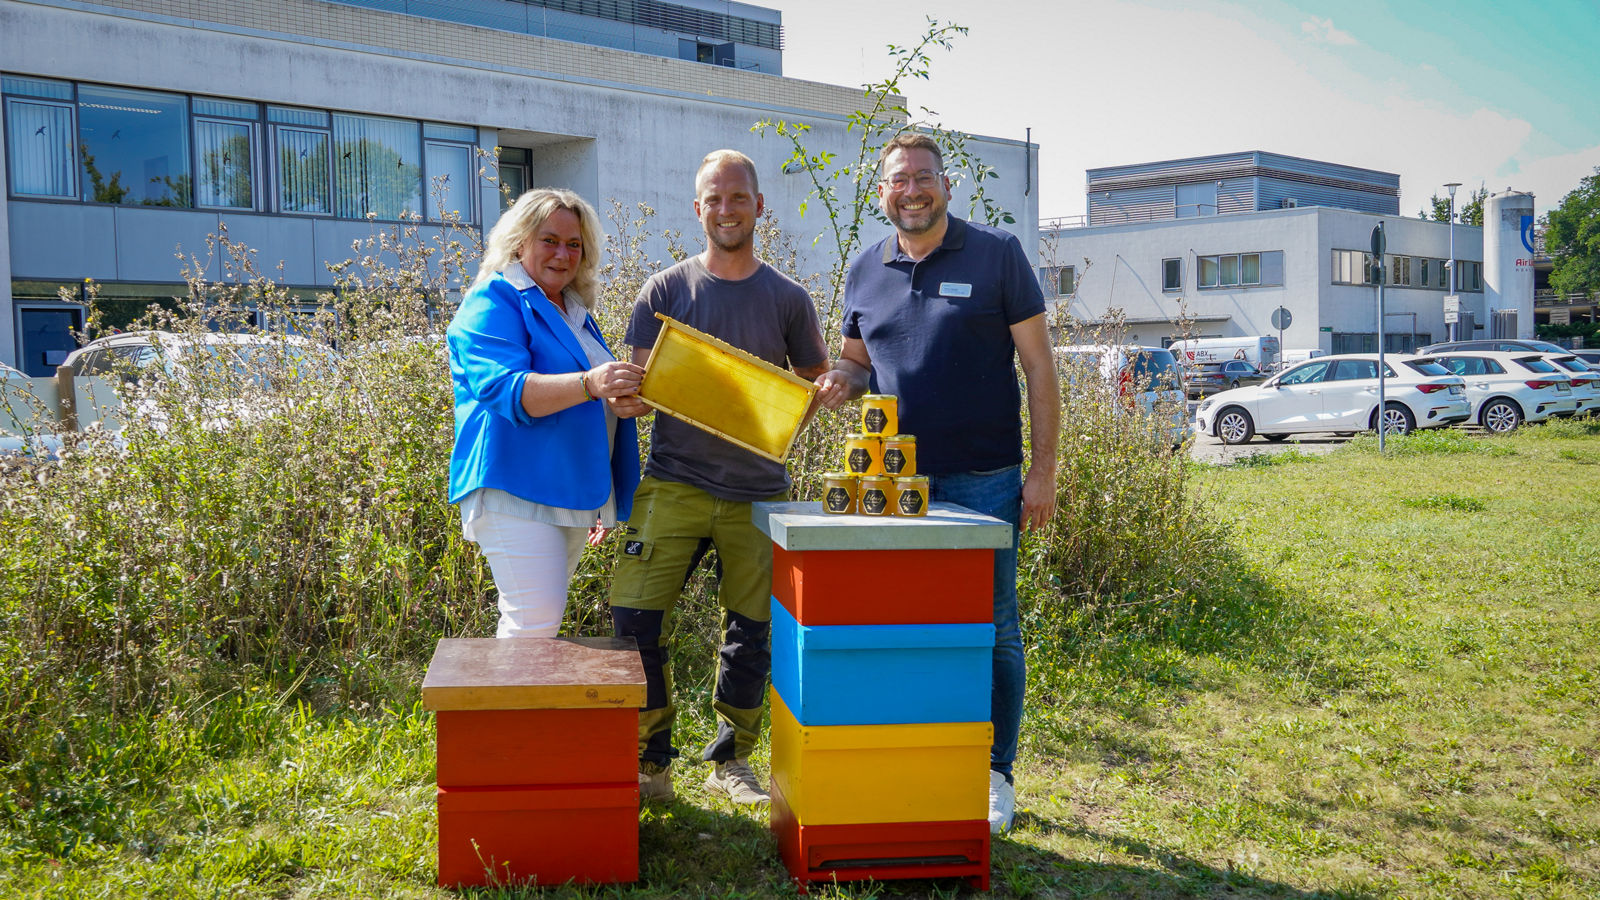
(1585, 381)
(1592, 357)
(1338, 394)
(1509, 388)
(1498, 345)
(1148, 378)
(257, 357)
(1208, 378)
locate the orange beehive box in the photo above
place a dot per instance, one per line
(884, 587)
(539, 835)
(880, 851)
(717, 387)
(537, 759)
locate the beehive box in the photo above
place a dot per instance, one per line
(537, 759)
(719, 388)
(884, 587)
(882, 674)
(539, 835)
(864, 774)
(880, 850)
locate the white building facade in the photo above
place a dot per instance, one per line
(133, 129)
(1223, 275)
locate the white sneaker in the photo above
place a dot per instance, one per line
(1002, 802)
(734, 779)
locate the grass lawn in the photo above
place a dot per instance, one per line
(1394, 694)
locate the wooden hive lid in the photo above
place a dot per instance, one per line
(534, 673)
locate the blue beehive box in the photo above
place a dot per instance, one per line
(881, 674)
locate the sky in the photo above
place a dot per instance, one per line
(1483, 92)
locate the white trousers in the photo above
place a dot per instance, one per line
(532, 563)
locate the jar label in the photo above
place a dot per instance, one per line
(860, 460)
(911, 502)
(874, 501)
(893, 461)
(838, 500)
(874, 420)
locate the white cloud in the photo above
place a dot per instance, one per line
(1323, 30)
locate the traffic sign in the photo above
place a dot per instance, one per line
(1452, 303)
(1281, 317)
(1378, 243)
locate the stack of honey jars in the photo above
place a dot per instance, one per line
(880, 475)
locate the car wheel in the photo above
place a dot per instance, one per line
(1276, 438)
(1234, 426)
(1234, 384)
(1398, 420)
(1500, 416)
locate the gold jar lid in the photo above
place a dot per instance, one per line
(840, 476)
(876, 397)
(910, 480)
(863, 437)
(902, 438)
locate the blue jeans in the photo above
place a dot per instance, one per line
(997, 493)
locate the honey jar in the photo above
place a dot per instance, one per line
(911, 495)
(875, 497)
(880, 414)
(839, 493)
(900, 454)
(863, 454)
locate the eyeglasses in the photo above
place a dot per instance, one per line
(925, 179)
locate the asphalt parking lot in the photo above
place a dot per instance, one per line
(1208, 449)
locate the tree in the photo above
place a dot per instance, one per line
(1440, 211)
(1472, 210)
(1572, 237)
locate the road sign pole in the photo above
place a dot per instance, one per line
(1377, 264)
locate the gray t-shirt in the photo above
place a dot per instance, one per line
(767, 315)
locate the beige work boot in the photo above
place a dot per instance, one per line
(655, 782)
(734, 779)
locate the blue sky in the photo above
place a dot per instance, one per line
(1506, 95)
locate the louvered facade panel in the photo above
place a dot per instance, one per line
(1136, 205)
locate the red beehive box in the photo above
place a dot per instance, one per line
(880, 851)
(539, 835)
(936, 569)
(537, 759)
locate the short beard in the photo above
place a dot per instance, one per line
(734, 247)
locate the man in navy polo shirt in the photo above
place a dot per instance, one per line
(935, 315)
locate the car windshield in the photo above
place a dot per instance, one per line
(1570, 363)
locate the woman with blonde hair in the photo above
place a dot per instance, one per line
(546, 452)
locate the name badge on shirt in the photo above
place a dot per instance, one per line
(955, 289)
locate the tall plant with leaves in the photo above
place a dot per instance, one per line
(846, 188)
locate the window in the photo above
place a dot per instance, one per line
(1400, 270)
(300, 144)
(1422, 271)
(40, 138)
(1241, 269)
(513, 175)
(1355, 369)
(224, 146)
(376, 167)
(1172, 274)
(1469, 276)
(133, 146)
(1058, 281)
(1353, 267)
(1310, 373)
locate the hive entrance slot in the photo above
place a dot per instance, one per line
(895, 861)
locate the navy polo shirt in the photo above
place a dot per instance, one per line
(939, 334)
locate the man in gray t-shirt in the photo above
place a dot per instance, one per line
(697, 488)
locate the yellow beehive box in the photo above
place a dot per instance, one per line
(717, 387)
(864, 774)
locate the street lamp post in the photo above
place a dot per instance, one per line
(1451, 187)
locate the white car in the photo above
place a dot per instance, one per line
(1508, 388)
(1338, 394)
(1585, 381)
(1149, 377)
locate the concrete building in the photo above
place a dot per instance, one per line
(1210, 247)
(135, 128)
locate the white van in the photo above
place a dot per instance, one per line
(1261, 351)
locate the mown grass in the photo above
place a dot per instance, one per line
(1387, 691)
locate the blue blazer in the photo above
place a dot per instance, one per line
(497, 336)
